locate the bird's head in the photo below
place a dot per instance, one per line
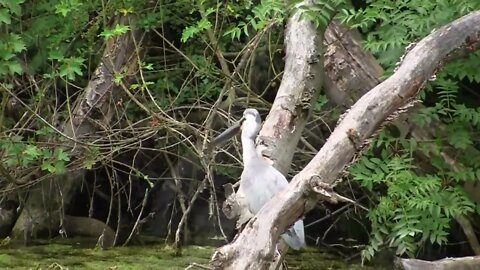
(252, 123)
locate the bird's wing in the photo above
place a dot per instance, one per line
(295, 236)
(260, 183)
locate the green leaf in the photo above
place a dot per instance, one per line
(47, 154)
(14, 6)
(15, 68)
(55, 55)
(47, 166)
(44, 131)
(71, 67)
(16, 43)
(32, 151)
(11, 161)
(89, 163)
(460, 138)
(67, 6)
(61, 155)
(60, 166)
(118, 30)
(5, 16)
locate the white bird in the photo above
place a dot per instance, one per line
(260, 181)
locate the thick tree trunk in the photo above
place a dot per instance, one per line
(350, 72)
(44, 208)
(299, 90)
(254, 248)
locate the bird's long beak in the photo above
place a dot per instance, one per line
(227, 134)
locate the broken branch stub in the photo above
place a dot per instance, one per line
(254, 247)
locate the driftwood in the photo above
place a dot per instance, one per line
(254, 248)
(94, 109)
(465, 263)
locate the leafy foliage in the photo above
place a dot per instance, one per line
(392, 25)
(266, 13)
(320, 12)
(20, 154)
(415, 208)
(10, 43)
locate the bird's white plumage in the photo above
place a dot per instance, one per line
(260, 181)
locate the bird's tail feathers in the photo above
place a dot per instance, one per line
(295, 236)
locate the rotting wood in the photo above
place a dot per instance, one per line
(350, 72)
(362, 120)
(298, 91)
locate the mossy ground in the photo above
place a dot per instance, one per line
(75, 255)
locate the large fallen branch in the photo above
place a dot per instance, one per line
(254, 248)
(351, 72)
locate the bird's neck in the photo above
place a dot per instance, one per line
(249, 150)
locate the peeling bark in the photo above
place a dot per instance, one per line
(254, 248)
(350, 72)
(298, 91)
(94, 109)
